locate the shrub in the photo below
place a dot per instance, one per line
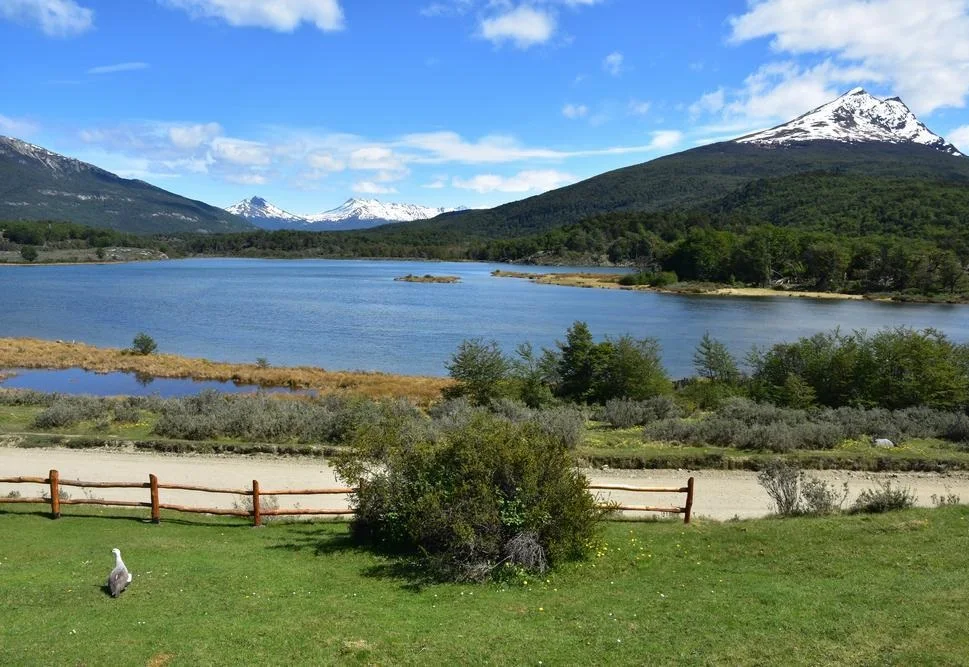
(143, 344)
(623, 413)
(886, 498)
(820, 498)
(28, 252)
(479, 369)
(958, 429)
(125, 413)
(566, 425)
(69, 410)
(481, 494)
(782, 483)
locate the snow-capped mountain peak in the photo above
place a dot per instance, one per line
(257, 207)
(352, 214)
(856, 116)
(374, 209)
(55, 162)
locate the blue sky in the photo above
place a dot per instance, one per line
(447, 102)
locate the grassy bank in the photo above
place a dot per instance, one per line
(35, 353)
(848, 590)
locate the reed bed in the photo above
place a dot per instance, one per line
(36, 353)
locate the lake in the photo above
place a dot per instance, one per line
(352, 315)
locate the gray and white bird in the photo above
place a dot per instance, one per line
(119, 578)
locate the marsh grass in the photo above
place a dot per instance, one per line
(35, 353)
(865, 589)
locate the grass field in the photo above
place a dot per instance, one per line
(886, 589)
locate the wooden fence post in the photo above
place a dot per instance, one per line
(55, 498)
(155, 510)
(688, 513)
(256, 516)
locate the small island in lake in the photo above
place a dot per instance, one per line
(428, 278)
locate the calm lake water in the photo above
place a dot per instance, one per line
(350, 314)
(79, 381)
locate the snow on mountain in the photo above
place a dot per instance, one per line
(55, 162)
(374, 209)
(257, 207)
(352, 214)
(856, 116)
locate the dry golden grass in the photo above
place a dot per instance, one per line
(35, 353)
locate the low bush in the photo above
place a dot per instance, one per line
(885, 498)
(475, 496)
(794, 493)
(69, 410)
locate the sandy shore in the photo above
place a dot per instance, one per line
(611, 281)
(720, 494)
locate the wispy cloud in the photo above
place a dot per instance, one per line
(119, 67)
(523, 181)
(960, 137)
(56, 18)
(573, 111)
(613, 63)
(278, 15)
(371, 188)
(246, 179)
(524, 26)
(639, 107)
(17, 127)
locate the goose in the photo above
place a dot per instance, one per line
(119, 578)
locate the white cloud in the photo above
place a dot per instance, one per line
(441, 147)
(325, 162)
(613, 63)
(371, 188)
(246, 179)
(574, 111)
(438, 183)
(639, 108)
(56, 18)
(665, 139)
(240, 151)
(960, 137)
(524, 26)
(712, 102)
(17, 127)
(376, 158)
(190, 137)
(279, 15)
(523, 181)
(922, 48)
(120, 67)
(781, 91)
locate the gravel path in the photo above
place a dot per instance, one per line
(720, 494)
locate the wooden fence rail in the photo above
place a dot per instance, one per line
(54, 483)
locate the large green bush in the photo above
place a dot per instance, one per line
(469, 496)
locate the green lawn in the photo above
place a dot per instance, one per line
(849, 590)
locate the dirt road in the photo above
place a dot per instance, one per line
(719, 494)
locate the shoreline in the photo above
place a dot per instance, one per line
(36, 353)
(611, 281)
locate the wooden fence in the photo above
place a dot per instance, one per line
(54, 482)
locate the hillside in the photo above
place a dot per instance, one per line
(698, 176)
(37, 184)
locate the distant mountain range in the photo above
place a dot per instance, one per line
(352, 214)
(37, 184)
